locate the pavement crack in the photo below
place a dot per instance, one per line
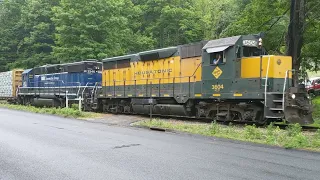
(126, 146)
(55, 127)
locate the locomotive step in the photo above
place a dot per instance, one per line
(274, 117)
(276, 93)
(277, 101)
(276, 109)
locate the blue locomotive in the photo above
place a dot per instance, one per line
(52, 85)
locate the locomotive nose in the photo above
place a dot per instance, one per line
(298, 106)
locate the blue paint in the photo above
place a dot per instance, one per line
(61, 79)
(64, 79)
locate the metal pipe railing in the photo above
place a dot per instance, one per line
(266, 83)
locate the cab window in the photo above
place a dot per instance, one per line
(251, 51)
(217, 58)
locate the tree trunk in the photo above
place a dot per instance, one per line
(295, 35)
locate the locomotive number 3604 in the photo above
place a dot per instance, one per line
(217, 87)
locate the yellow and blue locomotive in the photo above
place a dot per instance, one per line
(227, 79)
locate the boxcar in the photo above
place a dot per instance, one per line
(9, 83)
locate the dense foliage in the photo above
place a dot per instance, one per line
(37, 32)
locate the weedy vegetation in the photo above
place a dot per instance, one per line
(291, 137)
(72, 112)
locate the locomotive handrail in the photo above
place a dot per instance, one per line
(196, 70)
(78, 89)
(284, 87)
(177, 77)
(95, 90)
(266, 83)
(84, 89)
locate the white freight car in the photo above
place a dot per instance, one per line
(9, 83)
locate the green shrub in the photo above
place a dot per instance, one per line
(66, 112)
(75, 106)
(214, 128)
(251, 132)
(292, 137)
(297, 141)
(294, 130)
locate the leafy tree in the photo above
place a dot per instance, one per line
(36, 32)
(171, 22)
(95, 29)
(36, 46)
(268, 16)
(10, 32)
(310, 55)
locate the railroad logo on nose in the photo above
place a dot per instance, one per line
(217, 72)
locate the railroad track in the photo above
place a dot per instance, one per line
(235, 123)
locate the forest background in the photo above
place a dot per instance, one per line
(38, 32)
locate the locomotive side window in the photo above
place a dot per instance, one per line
(238, 52)
(217, 58)
(251, 51)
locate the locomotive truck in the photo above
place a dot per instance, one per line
(227, 79)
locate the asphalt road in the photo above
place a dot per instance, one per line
(45, 147)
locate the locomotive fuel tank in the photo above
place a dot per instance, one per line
(41, 102)
(161, 109)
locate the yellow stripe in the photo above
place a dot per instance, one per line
(237, 95)
(198, 95)
(216, 95)
(109, 95)
(129, 95)
(153, 95)
(119, 95)
(166, 95)
(141, 95)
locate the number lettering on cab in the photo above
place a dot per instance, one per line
(217, 87)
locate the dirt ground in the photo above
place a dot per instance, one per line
(118, 120)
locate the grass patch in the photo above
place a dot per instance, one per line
(292, 137)
(316, 112)
(72, 112)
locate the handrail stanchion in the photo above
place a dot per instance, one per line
(284, 87)
(80, 103)
(266, 83)
(67, 105)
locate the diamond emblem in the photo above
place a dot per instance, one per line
(217, 72)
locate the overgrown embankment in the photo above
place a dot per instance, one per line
(291, 137)
(72, 112)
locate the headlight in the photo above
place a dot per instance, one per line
(293, 96)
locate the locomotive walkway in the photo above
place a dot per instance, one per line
(34, 146)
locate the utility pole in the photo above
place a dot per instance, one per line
(295, 35)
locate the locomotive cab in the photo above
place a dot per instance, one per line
(246, 74)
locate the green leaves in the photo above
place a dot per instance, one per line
(36, 32)
(100, 29)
